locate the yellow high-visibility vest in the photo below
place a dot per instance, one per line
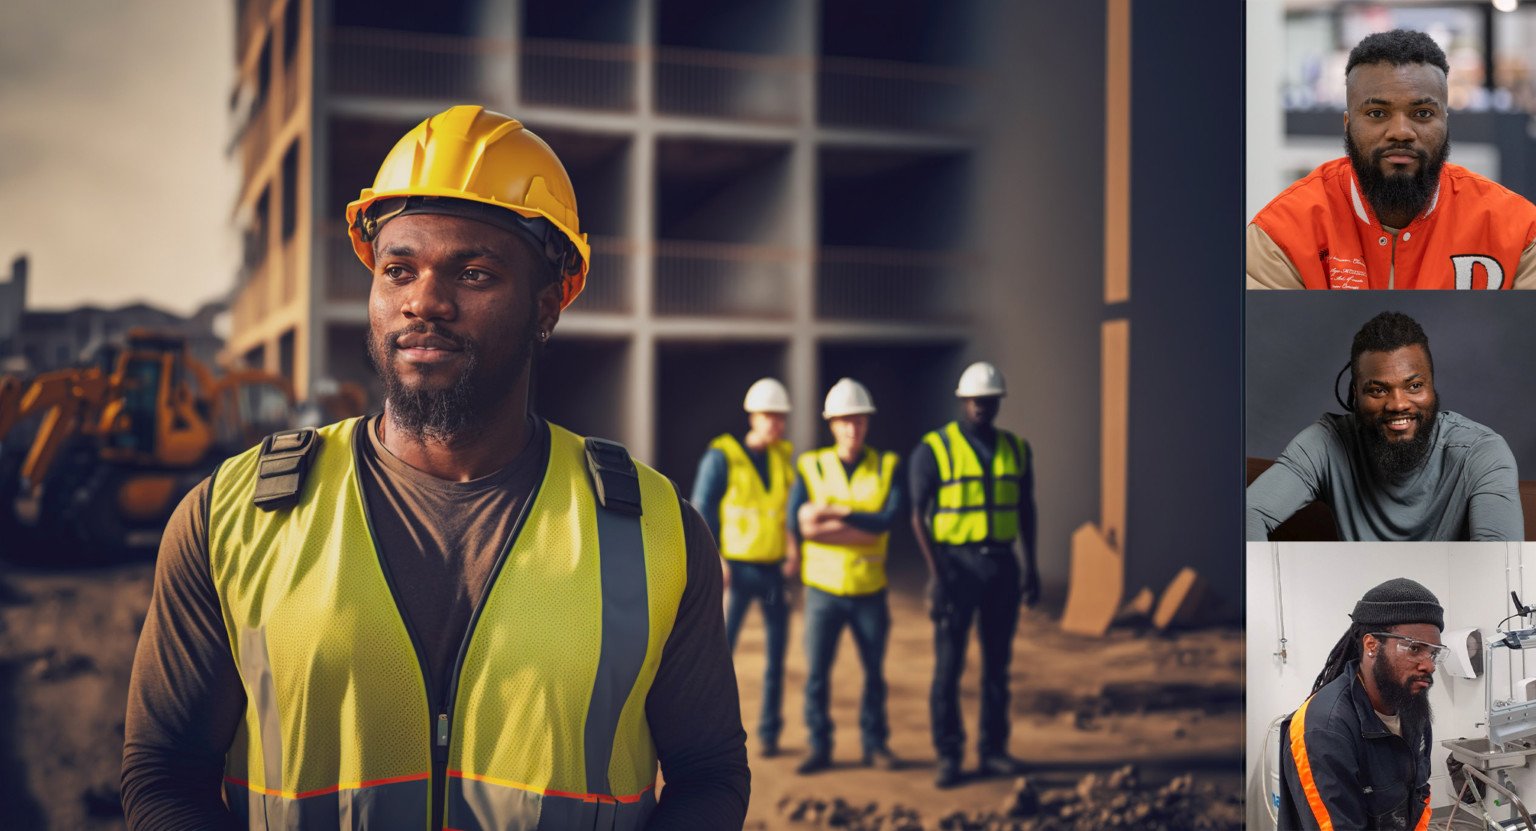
(846, 570)
(751, 517)
(545, 726)
(974, 505)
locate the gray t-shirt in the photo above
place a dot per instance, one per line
(1467, 488)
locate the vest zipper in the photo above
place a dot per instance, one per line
(445, 716)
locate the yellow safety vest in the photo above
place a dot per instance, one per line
(546, 726)
(846, 570)
(751, 518)
(964, 513)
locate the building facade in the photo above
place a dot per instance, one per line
(777, 188)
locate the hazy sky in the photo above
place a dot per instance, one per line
(113, 125)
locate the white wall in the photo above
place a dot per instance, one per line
(1319, 585)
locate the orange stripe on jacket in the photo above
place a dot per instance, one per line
(1424, 817)
(1304, 768)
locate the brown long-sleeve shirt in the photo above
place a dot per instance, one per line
(441, 540)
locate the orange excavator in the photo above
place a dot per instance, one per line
(94, 459)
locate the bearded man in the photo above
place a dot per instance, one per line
(1393, 213)
(1396, 467)
(1356, 753)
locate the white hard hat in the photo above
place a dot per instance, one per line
(847, 397)
(979, 380)
(766, 395)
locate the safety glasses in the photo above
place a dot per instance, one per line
(1416, 649)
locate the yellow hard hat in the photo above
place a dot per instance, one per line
(472, 154)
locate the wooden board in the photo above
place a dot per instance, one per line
(1095, 584)
(1181, 600)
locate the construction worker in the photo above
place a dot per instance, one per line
(841, 510)
(438, 617)
(973, 513)
(741, 490)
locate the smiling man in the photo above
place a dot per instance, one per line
(1396, 466)
(1356, 753)
(1393, 213)
(454, 614)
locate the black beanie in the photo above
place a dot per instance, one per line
(1396, 601)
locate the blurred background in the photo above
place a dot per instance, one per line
(1296, 53)
(883, 189)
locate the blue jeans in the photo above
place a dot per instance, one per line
(869, 619)
(983, 587)
(763, 582)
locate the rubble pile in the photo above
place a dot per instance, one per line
(1113, 800)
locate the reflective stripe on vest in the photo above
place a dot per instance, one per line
(961, 514)
(846, 569)
(547, 727)
(752, 518)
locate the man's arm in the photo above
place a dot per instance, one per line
(1029, 576)
(1268, 266)
(693, 710)
(1294, 480)
(1493, 509)
(185, 698)
(881, 521)
(1323, 778)
(709, 488)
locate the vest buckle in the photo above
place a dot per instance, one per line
(614, 479)
(280, 471)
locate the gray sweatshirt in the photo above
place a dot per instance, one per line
(1467, 488)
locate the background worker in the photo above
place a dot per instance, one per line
(973, 513)
(741, 490)
(420, 629)
(841, 509)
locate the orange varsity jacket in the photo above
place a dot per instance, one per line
(1470, 236)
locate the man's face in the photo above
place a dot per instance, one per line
(1395, 407)
(981, 411)
(848, 433)
(1396, 134)
(1402, 679)
(768, 425)
(453, 317)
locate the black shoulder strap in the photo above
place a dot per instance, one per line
(285, 460)
(614, 478)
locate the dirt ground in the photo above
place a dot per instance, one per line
(1170, 704)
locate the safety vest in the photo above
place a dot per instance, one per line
(846, 570)
(544, 726)
(974, 505)
(751, 517)
(1469, 237)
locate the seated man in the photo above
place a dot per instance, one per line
(1356, 753)
(1395, 467)
(1394, 213)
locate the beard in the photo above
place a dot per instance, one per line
(1392, 461)
(461, 408)
(1397, 193)
(1412, 707)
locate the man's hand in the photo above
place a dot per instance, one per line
(940, 605)
(1029, 586)
(725, 574)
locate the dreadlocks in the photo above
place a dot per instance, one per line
(1346, 650)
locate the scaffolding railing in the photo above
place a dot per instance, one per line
(257, 135)
(291, 89)
(578, 73)
(390, 64)
(290, 281)
(608, 277)
(858, 93)
(855, 283)
(346, 278)
(718, 279)
(252, 14)
(734, 85)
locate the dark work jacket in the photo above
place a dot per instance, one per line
(1343, 769)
